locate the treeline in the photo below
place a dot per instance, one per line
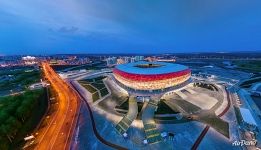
(14, 112)
(22, 79)
(248, 83)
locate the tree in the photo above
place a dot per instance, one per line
(14, 124)
(22, 113)
(5, 129)
(3, 115)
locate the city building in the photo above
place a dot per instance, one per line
(127, 59)
(120, 61)
(139, 58)
(29, 60)
(111, 61)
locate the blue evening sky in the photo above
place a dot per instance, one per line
(129, 26)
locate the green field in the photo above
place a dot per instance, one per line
(238, 115)
(95, 96)
(18, 79)
(98, 86)
(104, 92)
(248, 83)
(19, 115)
(164, 108)
(253, 65)
(90, 88)
(125, 105)
(94, 85)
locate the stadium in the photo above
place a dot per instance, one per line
(151, 77)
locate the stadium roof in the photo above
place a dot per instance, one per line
(159, 68)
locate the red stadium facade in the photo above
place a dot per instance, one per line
(152, 78)
(145, 78)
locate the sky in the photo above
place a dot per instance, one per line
(129, 26)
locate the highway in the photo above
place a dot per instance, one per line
(57, 134)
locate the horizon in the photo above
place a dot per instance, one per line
(120, 53)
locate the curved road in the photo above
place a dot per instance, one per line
(57, 134)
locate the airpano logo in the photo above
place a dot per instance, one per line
(244, 143)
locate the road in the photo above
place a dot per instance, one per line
(57, 134)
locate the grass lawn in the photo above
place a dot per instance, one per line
(254, 65)
(104, 92)
(84, 82)
(98, 86)
(89, 88)
(170, 120)
(88, 80)
(99, 78)
(93, 86)
(248, 83)
(125, 105)
(166, 118)
(95, 96)
(238, 115)
(164, 109)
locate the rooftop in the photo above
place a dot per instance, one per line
(143, 67)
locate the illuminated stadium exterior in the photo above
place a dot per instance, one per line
(151, 76)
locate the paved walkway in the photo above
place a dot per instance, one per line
(151, 132)
(92, 124)
(126, 121)
(182, 95)
(190, 91)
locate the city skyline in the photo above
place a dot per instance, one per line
(47, 27)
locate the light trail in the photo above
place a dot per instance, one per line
(58, 135)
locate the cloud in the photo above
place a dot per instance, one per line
(64, 29)
(120, 25)
(68, 29)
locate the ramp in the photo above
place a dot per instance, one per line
(126, 121)
(191, 91)
(182, 95)
(151, 131)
